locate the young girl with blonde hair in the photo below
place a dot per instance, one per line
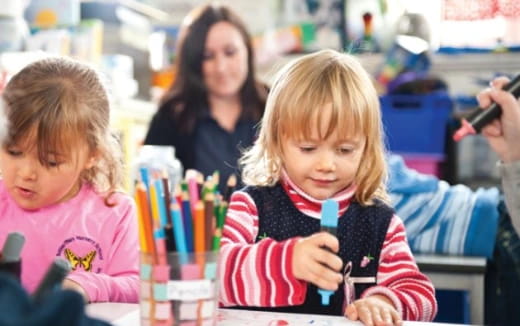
(320, 138)
(61, 171)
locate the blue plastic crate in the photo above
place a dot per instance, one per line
(416, 123)
(453, 307)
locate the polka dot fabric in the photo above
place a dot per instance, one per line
(361, 233)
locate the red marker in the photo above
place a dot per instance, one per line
(478, 118)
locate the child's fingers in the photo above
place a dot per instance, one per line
(351, 312)
(365, 315)
(383, 317)
(323, 282)
(373, 311)
(396, 317)
(325, 239)
(326, 258)
(324, 277)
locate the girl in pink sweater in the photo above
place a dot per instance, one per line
(61, 170)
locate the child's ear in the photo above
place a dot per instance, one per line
(92, 160)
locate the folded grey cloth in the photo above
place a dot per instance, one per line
(60, 308)
(441, 218)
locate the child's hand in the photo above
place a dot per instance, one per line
(71, 285)
(376, 310)
(315, 264)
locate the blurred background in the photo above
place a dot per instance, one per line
(428, 59)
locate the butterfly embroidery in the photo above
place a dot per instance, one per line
(75, 260)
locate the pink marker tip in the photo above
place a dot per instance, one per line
(464, 130)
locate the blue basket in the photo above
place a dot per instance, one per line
(416, 123)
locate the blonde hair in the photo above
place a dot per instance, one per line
(292, 110)
(64, 102)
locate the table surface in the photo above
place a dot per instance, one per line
(127, 314)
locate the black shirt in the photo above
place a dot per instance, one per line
(208, 147)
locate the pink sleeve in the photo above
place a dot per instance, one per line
(255, 274)
(120, 281)
(400, 280)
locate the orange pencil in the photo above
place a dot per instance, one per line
(144, 206)
(198, 227)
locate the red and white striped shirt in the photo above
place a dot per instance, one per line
(260, 274)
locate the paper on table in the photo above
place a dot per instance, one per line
(229, 317)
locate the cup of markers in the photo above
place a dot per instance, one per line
(180, 226)
(179, 289)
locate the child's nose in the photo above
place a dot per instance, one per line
(27, 170)
(326, 162)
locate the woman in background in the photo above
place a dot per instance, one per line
(210, 112)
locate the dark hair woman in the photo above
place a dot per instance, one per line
(211, 110)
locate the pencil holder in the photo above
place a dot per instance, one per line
(13, 269)
(179, 289)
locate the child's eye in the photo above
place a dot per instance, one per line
(13, 152)
(345, 150)
(53, 164)
(307, 149)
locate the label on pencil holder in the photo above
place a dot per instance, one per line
(190, 290)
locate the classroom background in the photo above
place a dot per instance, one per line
(428, 60)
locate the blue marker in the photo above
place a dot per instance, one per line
(329, 223)
(145, 176)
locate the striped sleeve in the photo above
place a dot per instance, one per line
(400, 280)
(255, 274)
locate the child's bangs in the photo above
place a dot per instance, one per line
(348, 118)
(300, 117)
(57, 138)
(305, 115)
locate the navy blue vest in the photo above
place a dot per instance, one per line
(361, 232)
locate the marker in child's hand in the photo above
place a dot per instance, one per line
(479, 118)
(329, 223)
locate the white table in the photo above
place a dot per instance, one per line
(126, 314)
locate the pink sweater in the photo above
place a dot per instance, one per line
(99, 241)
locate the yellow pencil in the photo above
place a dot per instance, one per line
(142, 236)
